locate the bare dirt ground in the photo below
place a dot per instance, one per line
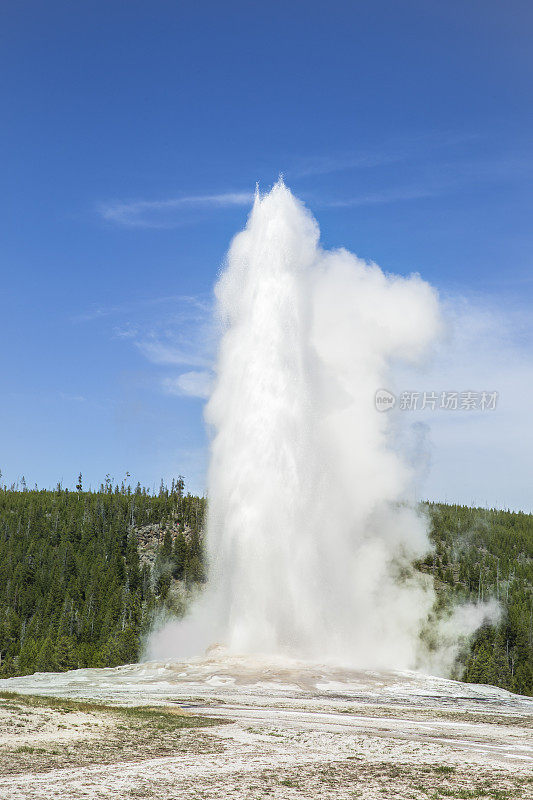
(366, 736)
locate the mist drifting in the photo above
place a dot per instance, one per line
(310, 532)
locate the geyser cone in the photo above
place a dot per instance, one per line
(308, 529)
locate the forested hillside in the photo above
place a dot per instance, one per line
(84, 575)
(74, 591)
(481, 554)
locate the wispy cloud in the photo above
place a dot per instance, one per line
(185, 340)
(180, 339)
(98, 311)
(397, 170)
(171, 353)
(72, 398)
(167, 213)
(393, 151)
(385, 196)
(190, 384)
(183, 336)
(174, 332)
(438, 179)
(323, 165)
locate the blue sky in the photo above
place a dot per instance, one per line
(132, 136)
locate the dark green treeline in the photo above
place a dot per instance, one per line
(73, 592)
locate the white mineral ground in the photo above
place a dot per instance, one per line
(297, 729)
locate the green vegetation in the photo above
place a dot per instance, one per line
(96, 734)
(73, 589)
(482, 554)
(84, 574)
(160, 717)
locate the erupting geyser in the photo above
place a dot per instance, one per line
(310, 535)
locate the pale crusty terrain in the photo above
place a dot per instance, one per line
(51, 748)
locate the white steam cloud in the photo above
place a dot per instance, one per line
(310, 533)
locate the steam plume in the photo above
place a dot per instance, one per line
(310, 537)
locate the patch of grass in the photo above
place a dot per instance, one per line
(26, 748)
(10, 707)
(444, 769)
(289, 783)
(162, 718)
